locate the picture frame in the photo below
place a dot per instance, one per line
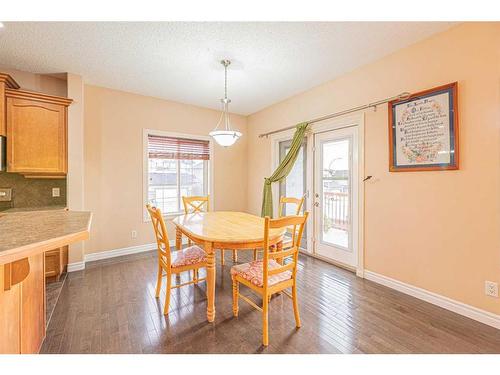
(423, 131)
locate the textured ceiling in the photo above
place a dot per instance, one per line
(179, 61)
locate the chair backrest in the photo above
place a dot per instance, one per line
(161, 235)
(196, 204)
(290, 200)
(297, 223)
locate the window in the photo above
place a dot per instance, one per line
(176, 166)
(294, 185)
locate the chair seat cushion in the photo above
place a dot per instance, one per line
(188, 256)
(253, 271)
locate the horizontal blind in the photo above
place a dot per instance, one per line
(162, 147)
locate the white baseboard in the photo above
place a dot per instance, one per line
(461, 308)
(119, 252)
(78, 266)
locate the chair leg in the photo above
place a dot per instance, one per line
(295, 306)
(167, 296)
(254, 254)
(195, 276)
(235, 256)
(236, 287)
(158, 281)
(222, 261)
(265, 314)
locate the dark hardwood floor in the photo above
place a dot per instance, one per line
(52, 293)
(110, 308)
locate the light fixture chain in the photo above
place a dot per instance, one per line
(225, 81)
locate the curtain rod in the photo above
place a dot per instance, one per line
(402, 96)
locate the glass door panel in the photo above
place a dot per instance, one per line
(335, 195)
(335, 186)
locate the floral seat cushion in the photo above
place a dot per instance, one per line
(252, 272)
(188, 256)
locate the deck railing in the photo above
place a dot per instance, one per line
(336, 210)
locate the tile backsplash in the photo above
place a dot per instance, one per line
(32, 192)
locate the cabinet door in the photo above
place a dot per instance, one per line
(36, 137)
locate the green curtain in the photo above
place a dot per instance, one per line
(283, 169)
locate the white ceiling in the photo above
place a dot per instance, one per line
(179, 61)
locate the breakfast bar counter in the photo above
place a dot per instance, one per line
(24, 238)
(27, 233)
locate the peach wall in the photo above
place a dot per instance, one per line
(436, 230)
(113, 154)
(75, 157)
(48, 84)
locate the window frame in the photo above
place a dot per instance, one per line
(208, 172)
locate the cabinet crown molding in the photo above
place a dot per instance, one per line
(9, 81)
(37, 96)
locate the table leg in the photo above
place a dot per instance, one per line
(210, 281)
(178, 238)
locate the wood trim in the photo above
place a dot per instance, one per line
(19, 271)
(36, 96)
(454, 87)
(15, 273)
(7, 271)
(9, 81)
(43, 176)
(3, 112)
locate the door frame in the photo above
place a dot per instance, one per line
(357, 120)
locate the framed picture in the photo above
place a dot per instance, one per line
(423, 131)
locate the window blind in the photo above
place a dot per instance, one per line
(162, 147)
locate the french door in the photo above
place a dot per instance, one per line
(335, 199)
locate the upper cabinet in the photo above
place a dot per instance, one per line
(6, 82)
(36, 130)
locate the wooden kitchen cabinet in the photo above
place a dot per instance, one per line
(56, 262)
(6, 82)
(36, 127)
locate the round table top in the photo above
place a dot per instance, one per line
(225, 227)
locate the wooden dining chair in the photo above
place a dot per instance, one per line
(267, 276)
(202, 204)
(173, 263)
(299, 202)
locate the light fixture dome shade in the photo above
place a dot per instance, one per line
(225, 137)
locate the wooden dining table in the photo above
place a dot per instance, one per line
(222, 230)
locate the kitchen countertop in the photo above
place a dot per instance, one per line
(23, 234)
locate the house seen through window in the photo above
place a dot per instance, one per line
(176, 167)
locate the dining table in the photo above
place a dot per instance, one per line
(223, 230)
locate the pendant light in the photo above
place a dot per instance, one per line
(225, 136)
